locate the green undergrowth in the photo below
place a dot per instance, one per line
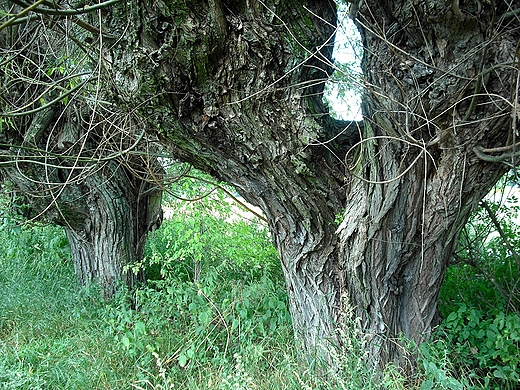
(213, 321)
(214, 315)
(478, 342)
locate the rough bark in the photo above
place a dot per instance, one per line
(440, 83)
(108, 245)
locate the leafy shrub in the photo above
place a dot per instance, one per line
(482, 347)
(203, 323)
(216, 297)
(470, 346)
(194, 242)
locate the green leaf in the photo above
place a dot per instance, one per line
(126, 342)
(452, 317)
(498, 373)
(183, 360)
(140, 328)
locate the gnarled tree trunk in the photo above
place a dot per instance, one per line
(439, 86)
(237, 91)
(107, 210)
(107, 245)
(71, 160)
(235, 88)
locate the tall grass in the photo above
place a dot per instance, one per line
(50, 336)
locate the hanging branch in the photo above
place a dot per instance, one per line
(64, 12)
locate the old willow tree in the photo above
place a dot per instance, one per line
(70, 158)
(235, 88)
